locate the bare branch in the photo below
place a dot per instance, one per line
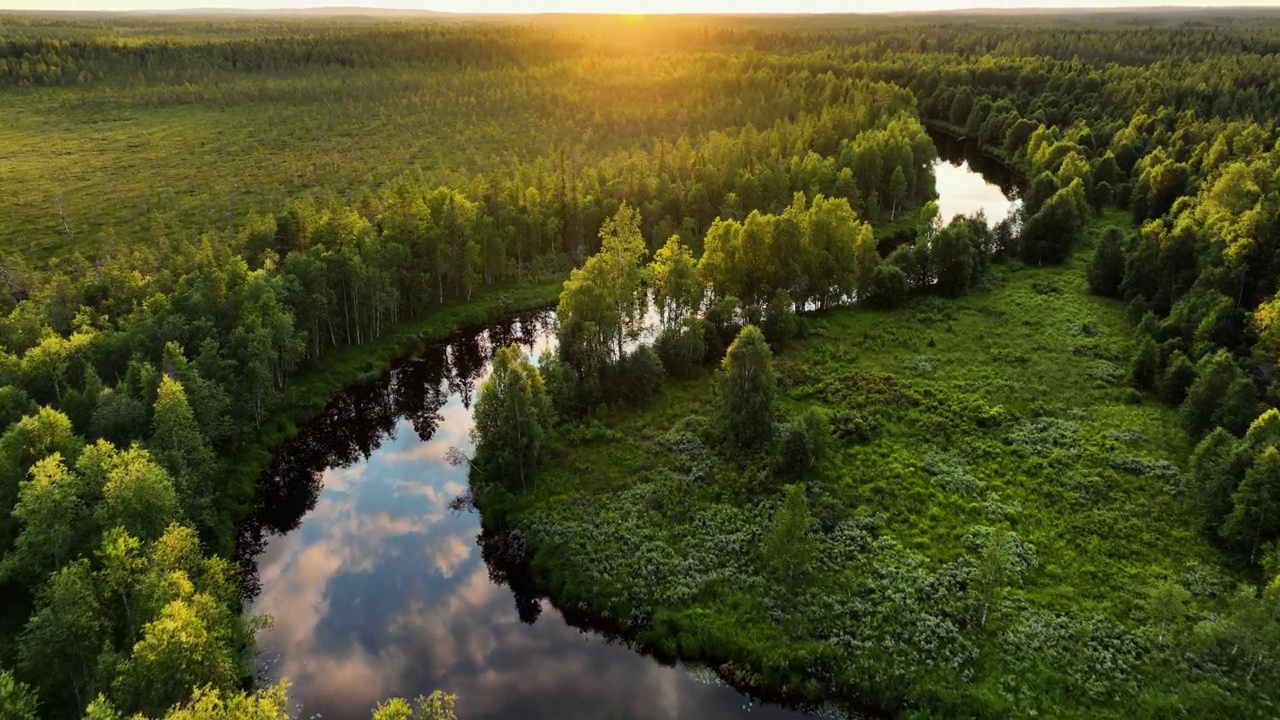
(57, 202)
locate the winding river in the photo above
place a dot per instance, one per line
(378, 586)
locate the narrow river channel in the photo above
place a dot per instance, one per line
(377, 587)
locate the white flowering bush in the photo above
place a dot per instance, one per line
(1105, 372)
(920, 364)
(951, 474)
(1161, 470)
(1045, 437)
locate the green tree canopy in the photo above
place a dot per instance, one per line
(677, 286)
(178, 445)
(1255, 514)
(788, 545)
(953, 256)
(1106, 269)
(1208, 398)
(184, 648)
(59, 646)
(437, 706)
(747, 387)
(56, 523)
(138, 495)
(1217, 466)
(17, 701)
(32, 439)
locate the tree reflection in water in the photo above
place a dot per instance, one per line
(359, 418)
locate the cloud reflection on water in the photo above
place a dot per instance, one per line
(961, 191)
(382, 591)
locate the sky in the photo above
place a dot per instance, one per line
(618, 6)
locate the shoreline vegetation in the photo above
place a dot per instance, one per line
(655, 466)
(985, 491)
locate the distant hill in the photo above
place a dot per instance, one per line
(309, 12)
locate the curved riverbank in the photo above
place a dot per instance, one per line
(372, 574)
(507, 554)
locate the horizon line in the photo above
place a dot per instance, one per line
(337, 8)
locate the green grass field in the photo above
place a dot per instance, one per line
(128, 163)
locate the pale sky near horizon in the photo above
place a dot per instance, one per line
(622, 6)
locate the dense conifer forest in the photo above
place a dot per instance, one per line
(864, 456)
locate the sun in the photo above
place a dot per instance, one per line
(637, 10)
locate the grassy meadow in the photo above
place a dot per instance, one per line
(126, 164)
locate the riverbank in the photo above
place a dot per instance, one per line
(1002, 420)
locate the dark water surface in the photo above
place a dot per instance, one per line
(377, 587)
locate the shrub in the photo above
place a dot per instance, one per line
(1045, 436)
(720, 325)
(688, 454)
(1146, 365)
(1177, 377)
(682, 349)
(638, 376)
(14, 404)
(118, 417)
(570, 396)
(920, 365)
(1105, 372)
(1010, 356)
(803, 442)
(779, 322)
(888, 287)
(1161, 470)
(788, 545)
(1086, 328)
(951, 474)
(1106, 270)
(852, 427)
(512, 412)
(1220, 395)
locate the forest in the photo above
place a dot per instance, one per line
(796, 425)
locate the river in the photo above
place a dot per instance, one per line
(969, 181)
(377, 583)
